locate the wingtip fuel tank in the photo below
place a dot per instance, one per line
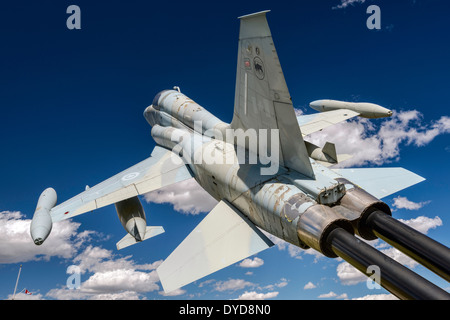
(365, 110)
(41, 224)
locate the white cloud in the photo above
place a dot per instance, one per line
(119, 280)
(369, 144)
(232, 285)
(110, 277)
(281, 284)
(381, 296)
(404, 203)
(125, 295)
(346, 3)
(423, 224)
(173, 293)
(257, 296)
(330, 294)
(309, 286)
(348, 275)
(16, 244)
(400, 257)
(24, 296)
(249, 263)
(186, 197)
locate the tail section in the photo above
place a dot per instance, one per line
(129, 240)
(262, 99)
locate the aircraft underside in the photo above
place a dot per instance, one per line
(265, 177)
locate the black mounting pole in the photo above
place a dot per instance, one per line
(394, 277)
(430, 253)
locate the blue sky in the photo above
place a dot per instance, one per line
(72, 104)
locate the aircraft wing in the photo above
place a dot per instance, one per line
(381, 182)
(311, 123)
(161, 169)
(225, 236)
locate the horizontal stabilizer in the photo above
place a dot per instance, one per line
(330, 150)
(381, 182)
(129, 240)
(340, 158)
(224, 236)
(311, 123)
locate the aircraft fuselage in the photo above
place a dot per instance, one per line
(274, 200)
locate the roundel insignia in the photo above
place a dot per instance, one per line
(259, 68)
(130, 176)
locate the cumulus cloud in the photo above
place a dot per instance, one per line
(253, 295)
(280, 284)
(377, 297)
(121, 280)
(186, 197)
(331, 294)
(109, 277)
(346, 3)
(232, 285)
(249, 263)
(423, 224)
(404, 203)
(371, 144)
(348, 275)
(104, 275)
(16, 244)
(309, 286)
(173, 293)
(24, 296)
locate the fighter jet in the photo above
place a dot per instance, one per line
(267, 179)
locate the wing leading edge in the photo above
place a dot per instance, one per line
(161, 169)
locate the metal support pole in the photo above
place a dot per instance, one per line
(17, 281)
(395, 278)
(430, 253)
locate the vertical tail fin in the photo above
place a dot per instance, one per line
(262, 99)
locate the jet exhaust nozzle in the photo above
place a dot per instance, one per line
(41, 224)
(316, 223)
